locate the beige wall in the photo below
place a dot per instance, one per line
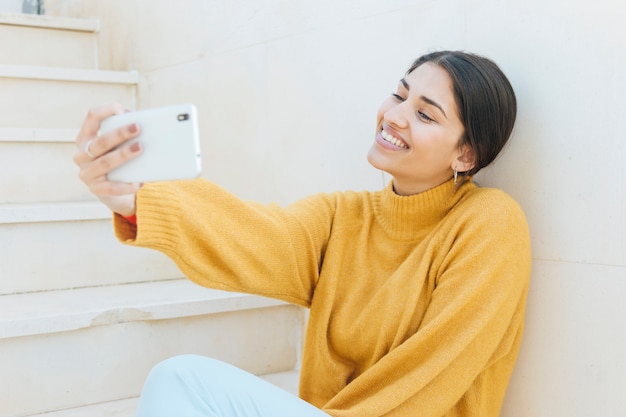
(288, 91)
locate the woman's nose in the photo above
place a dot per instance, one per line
(397, 115)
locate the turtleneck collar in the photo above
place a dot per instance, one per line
(411, 217)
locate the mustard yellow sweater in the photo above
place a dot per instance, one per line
(416, 302)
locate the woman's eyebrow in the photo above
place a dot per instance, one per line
(426, 99)
(434, 103)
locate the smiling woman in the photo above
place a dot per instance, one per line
(416, 292)
(418, 141)
(437, 121)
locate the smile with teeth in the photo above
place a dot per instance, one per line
(389, 138)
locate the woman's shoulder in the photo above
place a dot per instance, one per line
(487, 220)
(490, 206)
(481, 198)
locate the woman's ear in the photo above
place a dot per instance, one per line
(466, 159)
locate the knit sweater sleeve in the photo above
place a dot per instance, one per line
(459, 360)
(222, 242)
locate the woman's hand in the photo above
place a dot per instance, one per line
(96, 156)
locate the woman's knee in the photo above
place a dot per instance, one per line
(182, 366)
(177, 386)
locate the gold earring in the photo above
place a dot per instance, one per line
(456, 173)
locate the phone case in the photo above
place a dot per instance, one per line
(171, 146)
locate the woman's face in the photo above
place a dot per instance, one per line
(418, 131)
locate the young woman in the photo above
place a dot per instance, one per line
(416, 292)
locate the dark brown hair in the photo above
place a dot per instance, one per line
(485, 99)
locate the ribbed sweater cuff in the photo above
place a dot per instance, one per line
(158, 212)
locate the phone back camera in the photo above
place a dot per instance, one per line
(182, 117)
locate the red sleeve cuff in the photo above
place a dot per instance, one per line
(131, 219)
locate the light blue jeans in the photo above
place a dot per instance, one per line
(197, 386)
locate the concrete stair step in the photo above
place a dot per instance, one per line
(41, 135)
(49, 22)
(54, 246)
(126, 408)
(48, 41)
(33, 159)
(51, 97)
(65, 349)
(120, 408)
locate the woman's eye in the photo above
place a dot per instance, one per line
(397, 96)
(424, 117)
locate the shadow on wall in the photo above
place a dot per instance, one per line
(22, 6)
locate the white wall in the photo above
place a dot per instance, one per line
(288, 92)
(11, 6)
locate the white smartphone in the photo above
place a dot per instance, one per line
(171, 146)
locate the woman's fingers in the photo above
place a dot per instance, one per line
(94, 117)
(97, 169)
(96, 155)
(89, 145)
(93, 148)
